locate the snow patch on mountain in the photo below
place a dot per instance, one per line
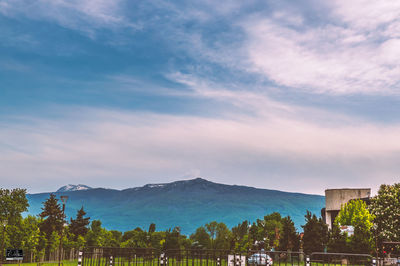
(71, 187)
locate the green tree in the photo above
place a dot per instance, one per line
(157, 240)
(172, 239)
(337, 242)
(136, 238)
(31, 231)
(289, 239)
(385, 207)
(315, 234)
(212, 230)
(201, 239)
(79, 226)
(95, 235)
(356, 214)
(272, 225)
(52, 215)
(223, 237)
(12, 204)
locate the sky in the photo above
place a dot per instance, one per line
(291, 95)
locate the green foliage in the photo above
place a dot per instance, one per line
(173, 239)
(53, 241)
(78, 226)
(201, 239)
(272, 225)
(337, 242)
(53, 217)
(135, 239)
(289, 239)
(223, 237)
(30, 227)
(356, 214)
(100, 237)
(12, 204)
(385, 207)
(315, 234)
(240, 235)
(212, 230)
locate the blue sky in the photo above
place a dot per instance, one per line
(289, 95)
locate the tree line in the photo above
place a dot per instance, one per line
(40, 236)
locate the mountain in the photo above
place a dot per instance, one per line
(188, 204)
(73, 188)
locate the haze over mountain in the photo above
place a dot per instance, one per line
(188, 204)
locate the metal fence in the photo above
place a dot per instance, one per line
(190, 257)
(95, 256)
(322, 258)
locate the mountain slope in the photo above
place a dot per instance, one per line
(188, 204)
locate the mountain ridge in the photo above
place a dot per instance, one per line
(185, 203)
(160, 185)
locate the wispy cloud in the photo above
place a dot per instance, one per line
(327, 58)
(86, 16)
(378, 18)
(141, 147)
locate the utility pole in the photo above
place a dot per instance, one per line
(64, 201)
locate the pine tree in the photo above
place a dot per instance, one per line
(315, 234)
(79, 225)
(52, 215)
(289, 239)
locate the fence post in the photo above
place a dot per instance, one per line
(80, 258)
(218, 262)
(308, 261)
(373, 262)
(162, 259)
(111, 260)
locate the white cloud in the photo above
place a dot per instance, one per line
(280, 150)
(328, 59)
(368, 16)
(85, 16)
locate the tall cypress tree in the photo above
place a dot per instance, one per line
(52, 215)
(79, 225)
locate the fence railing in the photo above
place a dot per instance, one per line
(324, 258)
(109, 256)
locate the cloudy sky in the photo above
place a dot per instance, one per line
(292, 95)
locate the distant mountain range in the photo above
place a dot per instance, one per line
(188, 204)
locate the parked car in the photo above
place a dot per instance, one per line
(259, 259)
